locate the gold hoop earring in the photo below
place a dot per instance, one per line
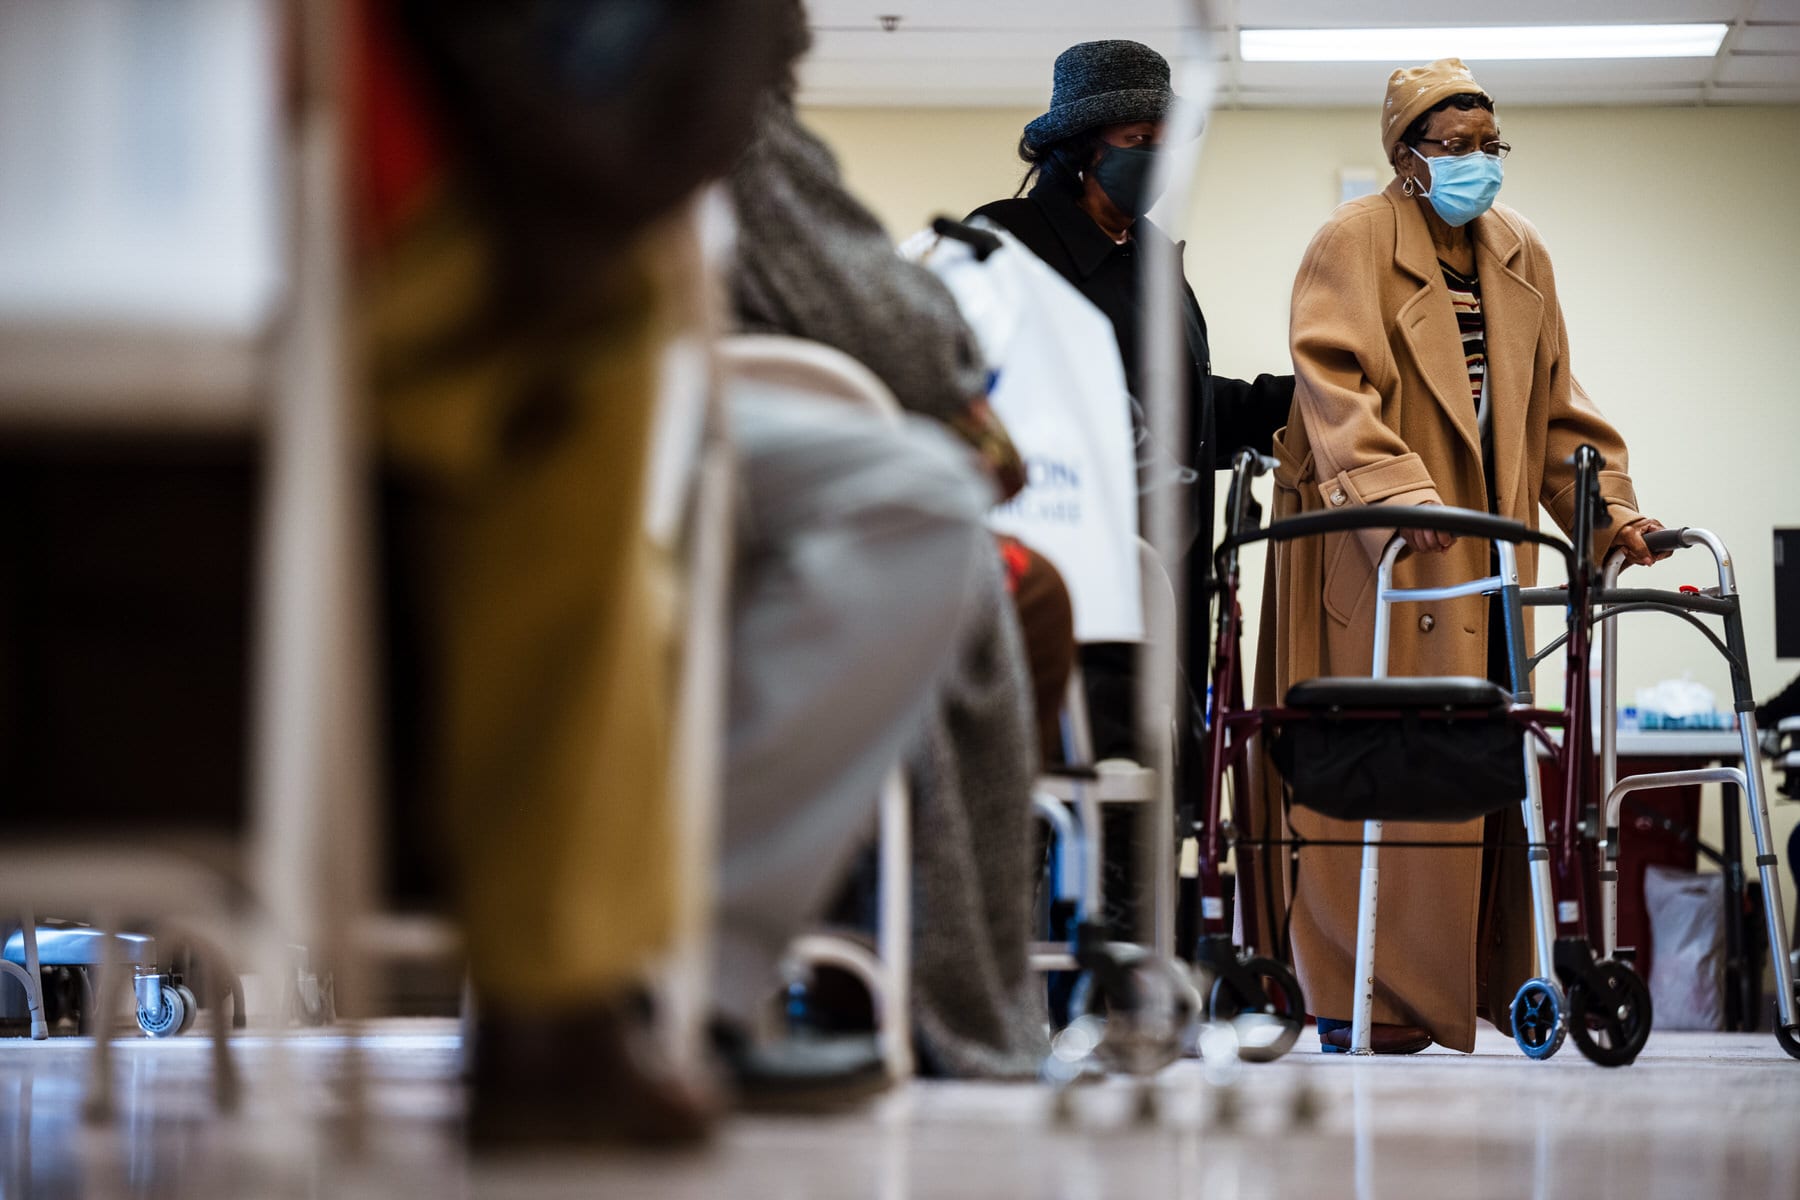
(1407, 188)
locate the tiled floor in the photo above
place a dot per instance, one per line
(1700, 1115)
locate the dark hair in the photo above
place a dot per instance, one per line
(1061, 162)
(793, 40)
(541, 102)
(1415, 133)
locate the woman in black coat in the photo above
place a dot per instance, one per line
(1091, 157)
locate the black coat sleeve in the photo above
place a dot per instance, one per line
(1248, 413)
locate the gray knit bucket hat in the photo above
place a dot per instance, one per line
(1103, 83)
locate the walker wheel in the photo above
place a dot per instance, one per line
(1270, 1023)
(171, 1020)
(313, 1000)
(1789, 1038)
(1609, 1014)
(1537, 1018)
(192, 1010)
(1158, 1031)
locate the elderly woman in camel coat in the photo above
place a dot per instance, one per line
(1432, 367)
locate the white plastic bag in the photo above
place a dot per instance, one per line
(1687, 939)
(1060, 389)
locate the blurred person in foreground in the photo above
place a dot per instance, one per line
(812, 262)
(518, 291)
(1433, 367)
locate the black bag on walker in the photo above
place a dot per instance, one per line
(1418, 767)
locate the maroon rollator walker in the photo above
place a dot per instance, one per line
(1443, 749)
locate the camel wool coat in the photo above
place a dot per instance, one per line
(1383, 415)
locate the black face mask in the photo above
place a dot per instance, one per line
(1123, 173)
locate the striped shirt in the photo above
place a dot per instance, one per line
(1465, 302)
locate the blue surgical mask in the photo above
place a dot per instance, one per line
(1464, 186)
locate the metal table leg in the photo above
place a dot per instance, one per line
(1739, 1006)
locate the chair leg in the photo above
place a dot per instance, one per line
(33, 998)
(1362, 1016)
(226, 1088)
(34, 983)
(98, 1107)
(894, 938)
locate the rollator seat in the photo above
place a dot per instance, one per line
(1412, 766)
(1406, 692)
(81, 947)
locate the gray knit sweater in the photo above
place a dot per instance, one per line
(814, 263)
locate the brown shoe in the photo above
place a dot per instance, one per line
(1383, 1039)
(583, 1079)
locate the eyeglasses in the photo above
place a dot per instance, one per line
(1457, 147)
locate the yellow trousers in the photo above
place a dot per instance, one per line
(548, 625)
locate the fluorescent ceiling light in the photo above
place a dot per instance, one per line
(1480, 43)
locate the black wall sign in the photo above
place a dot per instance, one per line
(1787, 593)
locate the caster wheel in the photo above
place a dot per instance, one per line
(171, 1020)
(85, 1024)
(191, 1012)
(1537, 1018)
(313, 1000)
(1611, 1023)
(1268, 1024)
(240, 1019)
(1156, 1034)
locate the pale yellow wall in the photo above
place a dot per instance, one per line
(912, 164)
(1676, 249)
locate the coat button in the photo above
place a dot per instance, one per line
(1338, 497)
(1427, 623)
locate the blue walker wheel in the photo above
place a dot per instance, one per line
(1538, 1022)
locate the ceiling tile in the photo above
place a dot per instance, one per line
(1039, 46)
(1761, 68)
(1756, 95)
(1769, 39)
(998, 52)
(1119, 15)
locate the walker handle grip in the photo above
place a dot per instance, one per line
(1665, 540)
(980, 241)
(1256, 464)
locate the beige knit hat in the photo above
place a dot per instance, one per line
(1412, 90)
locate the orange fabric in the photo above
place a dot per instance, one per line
(1016, 559)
